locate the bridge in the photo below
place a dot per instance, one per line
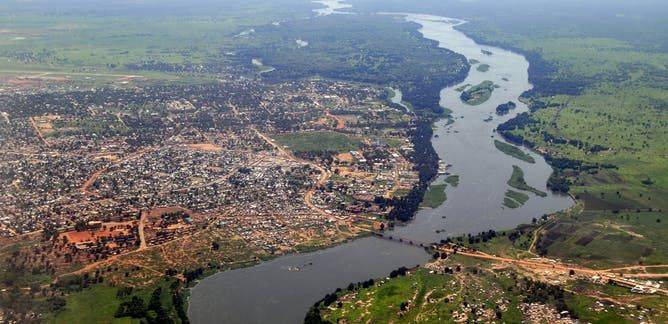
(403, 240)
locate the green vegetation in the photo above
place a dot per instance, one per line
(600, 239)
(98, 42)
(483, 67)
(452, 180)
(318, 142)
(376, 49)
(599, 96)
(513, 151)
(517, 181)
(102, 303)
(421, 296)
(478, 94)
(623, 130)
(515, 199)
(96, 304)
(435, 196)
(594, 239)
(510, 203)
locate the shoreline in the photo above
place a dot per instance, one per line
(425, 118)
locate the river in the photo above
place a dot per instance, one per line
(331, 7)
(272, 292)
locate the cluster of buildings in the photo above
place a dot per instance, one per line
(104, 172)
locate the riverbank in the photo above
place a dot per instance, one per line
(286, 295)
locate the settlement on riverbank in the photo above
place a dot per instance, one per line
(286, 295)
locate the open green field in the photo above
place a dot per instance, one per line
(100, 304)
(319, 142)
(158, 40)
(513, 151)
(517, 181)
(435, 196)
(605, 239)
(92, 305)
(626, 128)
(595, 239)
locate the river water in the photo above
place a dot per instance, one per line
(331, 7)
(272, 292)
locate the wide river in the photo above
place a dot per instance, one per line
(272, 292)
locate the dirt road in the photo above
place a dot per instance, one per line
(604, 275)
(324, 174)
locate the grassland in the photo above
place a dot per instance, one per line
(100, 42)
(515, 199)
(435, 196)
(595, 239)
(478, 94)
(318, 142)
(96, 304)
(600, 240)
(513, 151)
(634, 140)
(517, 181)
(100, 303)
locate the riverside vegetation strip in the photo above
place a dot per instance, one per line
(513, 151)
(459, 289)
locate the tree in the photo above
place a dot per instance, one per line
(313, 316)
(56, 303)
(80, 225)
(134, 308)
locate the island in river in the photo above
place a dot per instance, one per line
(478, 94)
